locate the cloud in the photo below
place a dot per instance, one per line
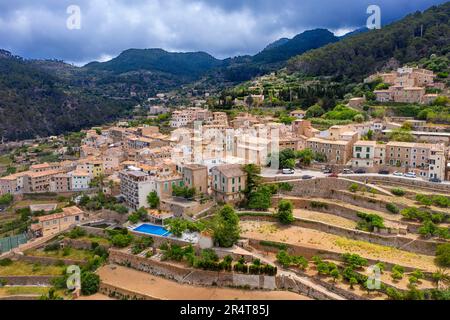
(37, 29)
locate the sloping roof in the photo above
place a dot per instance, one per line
(230, 170)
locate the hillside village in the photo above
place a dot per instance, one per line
(316, 169)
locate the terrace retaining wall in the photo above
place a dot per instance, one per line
(46, 260)
(28, 280)
(186, 275)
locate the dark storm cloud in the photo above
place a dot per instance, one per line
(37, 29)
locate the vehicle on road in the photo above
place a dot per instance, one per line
(288, 171)
(333, 175)
(307, 177)
(411, 175)
(361, 171)
(326, 170)
(347, 171)
(384, 172)
(435, 180)
(398, 174)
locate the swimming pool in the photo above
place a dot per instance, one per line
(152, 230)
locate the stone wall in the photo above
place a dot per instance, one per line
(187, 275)
(81, 244)
(47, 260)
(28, 280)
(295, 285)
(410, 183)
(122, 294)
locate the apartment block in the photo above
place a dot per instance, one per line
(427, 159)
(135, 186)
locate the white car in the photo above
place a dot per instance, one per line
(398, 174)
(411, 175)
(288, 171)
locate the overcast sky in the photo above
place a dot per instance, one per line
(223, 28)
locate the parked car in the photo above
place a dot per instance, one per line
(411, 175)
(347, 171)
(306, 177)
(383, 172)
(327, 171)
(288, 171)
(435, 180)
(361, 171)
(333, 175)
(398, 174)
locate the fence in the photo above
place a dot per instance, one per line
(9, 243)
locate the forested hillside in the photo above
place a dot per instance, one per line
(36, 103)
(416, 36)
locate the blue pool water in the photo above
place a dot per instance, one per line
(152, 230)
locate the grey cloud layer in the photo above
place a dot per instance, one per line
(37, 29)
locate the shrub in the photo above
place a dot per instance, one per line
(52, 247)
(280, 246)
(284, 259)
(354, 260)
(285, 212)
(6, 199)
(90, 283)
(76, 233)
(397, 272)
(392, 208)
(121, 240)
(284, 186)
(398, 192)
(5, 262)
(354, 187)
(370, 222)
(443, 255)
(394, 294)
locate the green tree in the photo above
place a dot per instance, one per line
(305, 156)
(285, 212)
(153, 200)
(443, 255)
(6, 199)
(90, 283)
(225, 227)
(253, 178)
(314, 111)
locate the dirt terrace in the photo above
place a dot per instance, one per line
(294, 235)
(160, 288)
